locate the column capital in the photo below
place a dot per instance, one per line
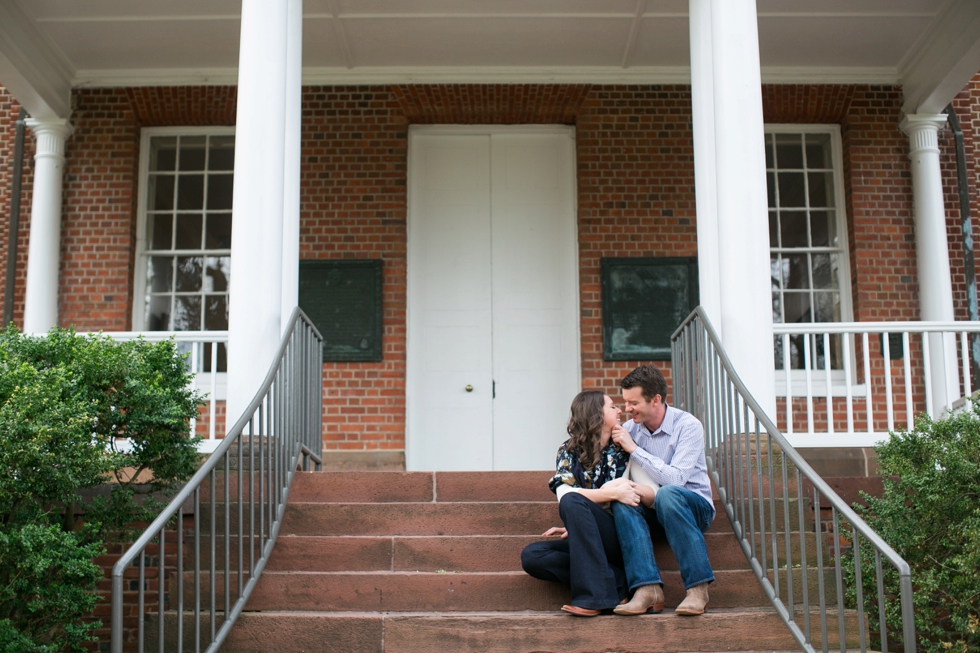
(923, 131)
(51, 136)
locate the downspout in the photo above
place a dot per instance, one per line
(966, 225)
(13, 231)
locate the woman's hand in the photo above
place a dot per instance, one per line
(555, 530)
(623, 490)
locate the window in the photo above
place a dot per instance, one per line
(807, 236)
(184, 241)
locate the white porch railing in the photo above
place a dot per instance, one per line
(207, 359)
(850, 383)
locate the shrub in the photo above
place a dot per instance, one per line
(930, 514)
(65, 402)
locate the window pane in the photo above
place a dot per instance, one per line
(163, 153)
(189, 273)
(793, 228)
(828, 306)
(789, 151)
(218, 234)
(791, 190)
(825, 271)
(189, 230)
(217, 274)
(161, 231)
(192, 153)
(823, 229)
(190, 192)
(216, 317)
(219, 192)
(187, 313)
(797, 307)
(773, 229)
(818, 151)
(771, 187)
(161, 193)
(222, 154)
(160, 274)
(777, 311)
(158, 313)
(774, 273)
(795, 272)
(769, 159)
(821, 189)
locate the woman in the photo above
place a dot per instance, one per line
(589, 473)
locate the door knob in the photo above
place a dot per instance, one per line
(469, 388)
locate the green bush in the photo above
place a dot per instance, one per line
(930, 514)
(65, 402)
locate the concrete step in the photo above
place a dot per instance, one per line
(498, 518)
(461, 591)
(746, 629)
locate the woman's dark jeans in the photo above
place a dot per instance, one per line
(589, 561)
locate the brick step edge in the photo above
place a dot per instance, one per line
(511, 632)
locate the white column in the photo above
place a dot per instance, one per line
(703, 118)
(257, 204)
(932, 251)
(293, 147)
(741, 197)
(44, 248)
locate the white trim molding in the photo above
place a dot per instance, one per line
(376, 76)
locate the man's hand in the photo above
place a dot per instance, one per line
(624, 492)
(555, 530)
(623, 438)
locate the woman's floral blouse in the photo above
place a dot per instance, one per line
(612, 464)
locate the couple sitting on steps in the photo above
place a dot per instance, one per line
(618, 487)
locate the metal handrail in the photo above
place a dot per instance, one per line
(707, 385)
(282, 424)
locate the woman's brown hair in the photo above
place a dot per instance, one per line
(585, 427)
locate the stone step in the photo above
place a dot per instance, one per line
(451, 592)
(745, 629)
(433, 553)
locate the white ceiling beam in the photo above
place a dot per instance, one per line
(340, 31)
(641, 7)
(944, 59)
(480, 75)
(30, 69)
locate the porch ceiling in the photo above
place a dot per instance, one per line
(58, 44)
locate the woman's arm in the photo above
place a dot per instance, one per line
(619, 489)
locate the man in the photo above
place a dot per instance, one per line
(667, 444)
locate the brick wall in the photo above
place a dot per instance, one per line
(636, 197)
(9, 111)
(353, 205)
(967, 107)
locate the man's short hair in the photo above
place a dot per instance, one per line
(649, 380)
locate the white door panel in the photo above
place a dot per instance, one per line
(492, 300)
(535, 299)
(449, 327)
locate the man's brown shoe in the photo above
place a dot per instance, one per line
(579, 612)
(695, 601)
(648, 598)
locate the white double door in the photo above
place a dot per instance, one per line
(493, 339)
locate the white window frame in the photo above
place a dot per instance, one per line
(798, 377)
(139, 272)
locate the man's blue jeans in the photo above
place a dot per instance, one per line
(680, 515)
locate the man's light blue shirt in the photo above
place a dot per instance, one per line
(674, 453)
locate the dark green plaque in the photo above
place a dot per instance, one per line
(343, 299)
(644, 300)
